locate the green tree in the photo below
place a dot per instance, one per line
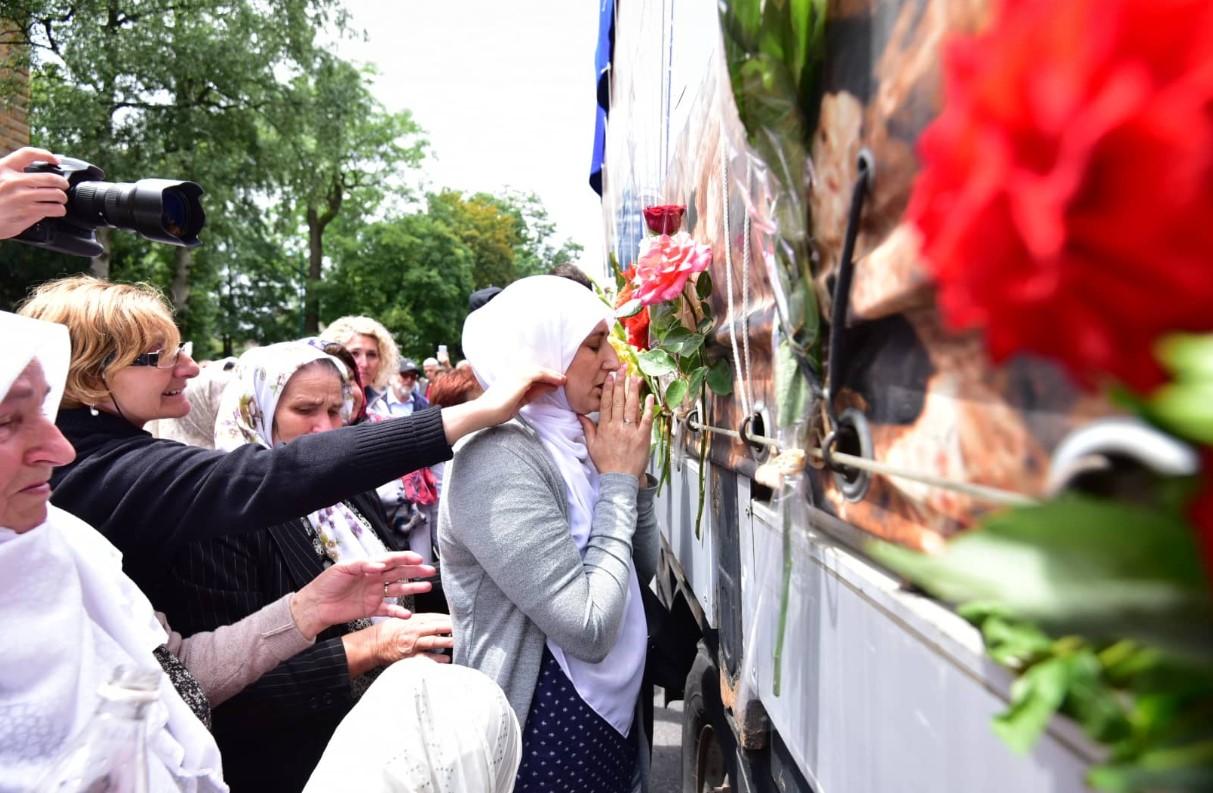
(175, 89)
(413, 273)
(335, 150)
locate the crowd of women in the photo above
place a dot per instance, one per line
(303, 644)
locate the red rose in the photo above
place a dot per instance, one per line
(636, 325)
(1066, 196)
(665, 219)
(664, 267)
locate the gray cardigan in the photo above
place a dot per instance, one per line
(511, 571)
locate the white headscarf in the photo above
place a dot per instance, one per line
(246, 415)
(71, 617)
(542, 321)
(451, 731)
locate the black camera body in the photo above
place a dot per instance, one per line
(161, 210)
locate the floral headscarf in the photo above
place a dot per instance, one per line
(246, 415)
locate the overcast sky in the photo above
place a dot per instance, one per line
(504, 91)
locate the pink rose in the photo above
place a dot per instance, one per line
(664, 267)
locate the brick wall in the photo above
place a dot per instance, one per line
(14, 101)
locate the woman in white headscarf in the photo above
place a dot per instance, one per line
(62, 592)
(72, 616)
(451, 731)
(546, 538)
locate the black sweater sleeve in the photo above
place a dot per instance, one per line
(148, 496)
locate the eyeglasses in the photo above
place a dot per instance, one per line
(160, 360)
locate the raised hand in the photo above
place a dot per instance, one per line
(349, 590)
(499, 403)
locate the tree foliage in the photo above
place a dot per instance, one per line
(414, 272)
(308, 216)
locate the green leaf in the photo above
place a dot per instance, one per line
(705, 325)
(686, 345)
(656, 363)
(703, 286)
(1035, 697)
(676, 393)
(629, 309)
(696, 381)
(1078, 565)
(1190, 357)
(720, 377)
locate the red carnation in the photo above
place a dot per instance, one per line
(664, 219)
(1066, 196)
(636, 325)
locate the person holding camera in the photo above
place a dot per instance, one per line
(26, 198)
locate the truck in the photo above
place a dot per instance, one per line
(803, 664)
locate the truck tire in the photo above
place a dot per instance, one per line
(704, 767)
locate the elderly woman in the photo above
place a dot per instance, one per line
(63, 591)
(374, 350)
(546, 538)
(274, 732)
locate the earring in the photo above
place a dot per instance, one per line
(92, 410)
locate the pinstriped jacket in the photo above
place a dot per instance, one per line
(273, 733)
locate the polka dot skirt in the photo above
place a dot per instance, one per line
(566, 746)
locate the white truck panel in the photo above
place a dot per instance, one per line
(882, 690)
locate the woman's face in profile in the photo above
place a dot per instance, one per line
(595, 359)
(30, 448)
(310, 403)
(145, 393)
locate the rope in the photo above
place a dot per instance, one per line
(728, 264)
(990, 495)
(745, 298)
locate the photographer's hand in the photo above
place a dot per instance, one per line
(26, 198)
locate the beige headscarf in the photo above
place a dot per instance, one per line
(424, 727)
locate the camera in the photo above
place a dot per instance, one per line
(161, 210)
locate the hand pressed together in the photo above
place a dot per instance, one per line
(620, 441)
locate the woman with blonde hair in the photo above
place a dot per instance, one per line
(373, 349)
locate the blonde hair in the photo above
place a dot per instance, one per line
(110, 325)
(346, 328)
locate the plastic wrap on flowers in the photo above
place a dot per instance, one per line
(774, 53)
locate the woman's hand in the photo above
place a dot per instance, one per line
(619, 444)
(26, 198)
(349, 590)
(419, 634)
(499, 403)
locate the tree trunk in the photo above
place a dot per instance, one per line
(315, 262)
(182, 259)
(317, 221)
(100, 265)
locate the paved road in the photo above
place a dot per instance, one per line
(666, 776)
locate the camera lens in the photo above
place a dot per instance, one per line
(175, 215)
(161, 210)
